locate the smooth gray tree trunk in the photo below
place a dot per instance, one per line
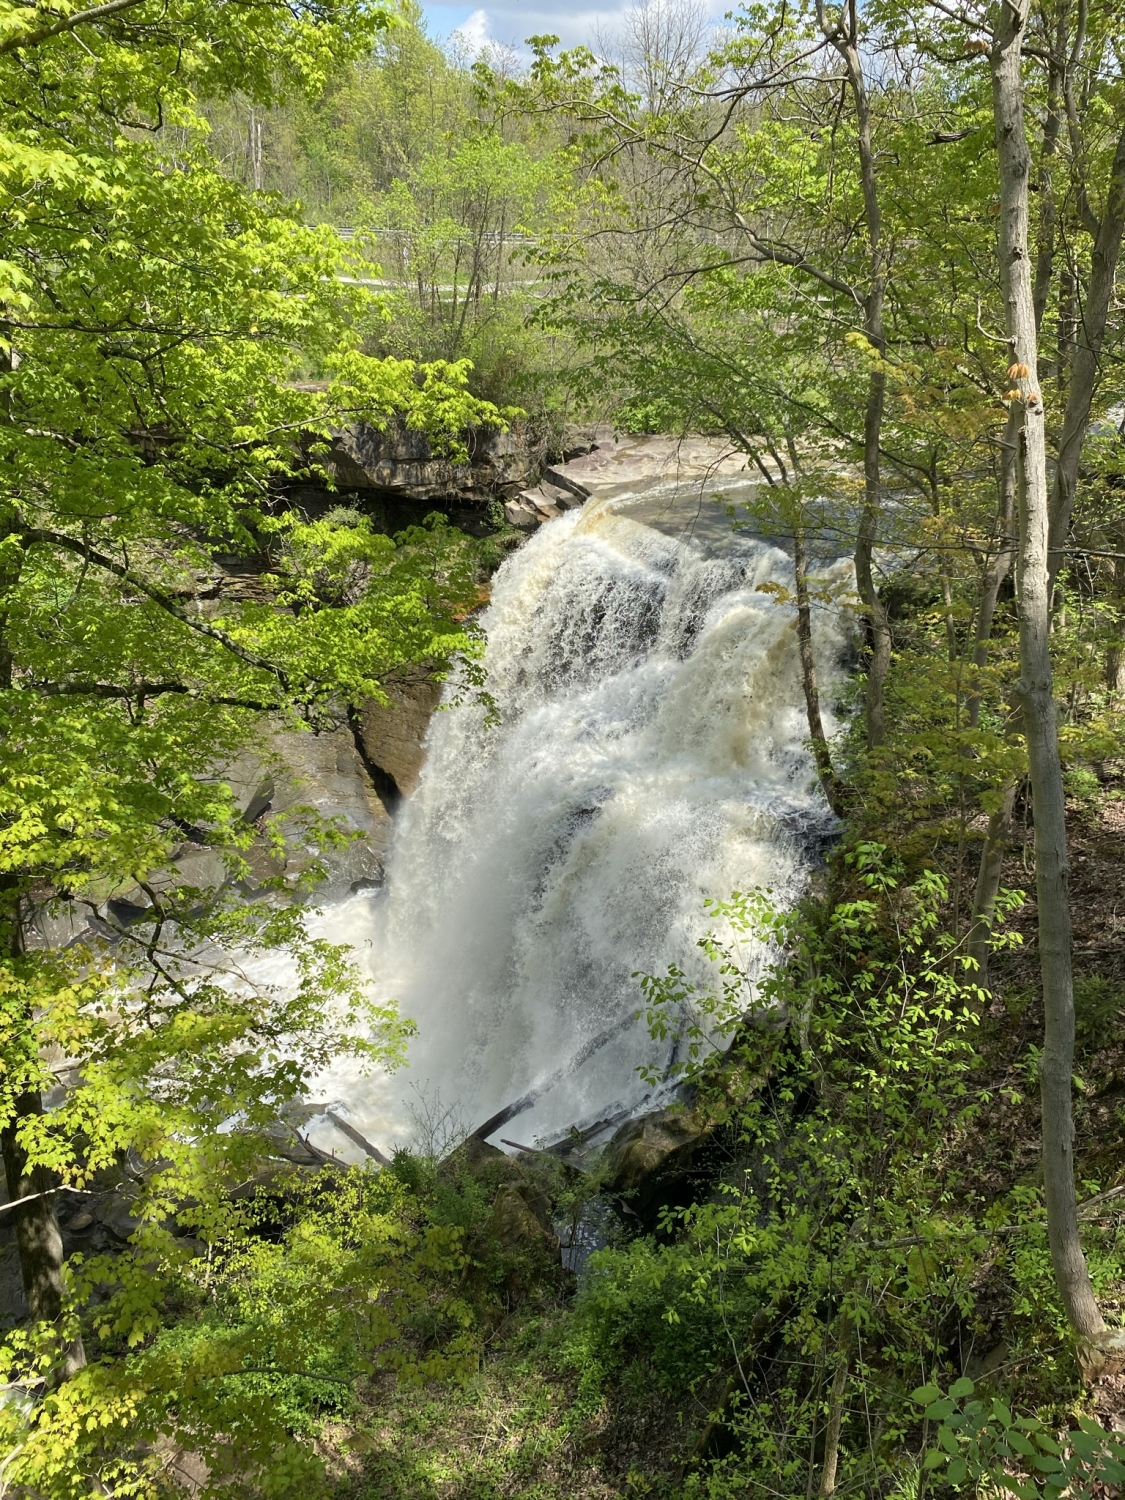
(843, 34)
(822, 753)
(1085, 369)
(1036, 688)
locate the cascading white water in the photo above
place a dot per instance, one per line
(649, 753)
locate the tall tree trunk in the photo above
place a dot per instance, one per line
(844, 37)
(1084, 373)
(830, 1466)
(1052, 126)
(1001, 563)
(822, 753)
(1035, 687)
(1068, 313)
(979, 941)
(38, 1238)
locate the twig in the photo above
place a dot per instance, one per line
(30, 1198)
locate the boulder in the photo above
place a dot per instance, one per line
(521, 515)
(112, 1211)
(540, 501)
(543, 503)
(521, 1220)
(658, 1143)
(565, 483)
(550, 500)
(476, 1158)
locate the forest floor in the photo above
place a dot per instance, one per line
(1096, 828)
(518, 1430)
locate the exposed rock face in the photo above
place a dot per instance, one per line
(292, 771)
(398, 468)
(637, 458)
(400, 462)
(393, 734)
(324, 772)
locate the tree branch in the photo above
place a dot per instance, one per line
(38, 535)
(24, 39)
(145, 690)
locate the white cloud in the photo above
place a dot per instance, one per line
(509, 22)
(474, 32)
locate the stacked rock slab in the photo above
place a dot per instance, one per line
(397, 461)
(543, 503)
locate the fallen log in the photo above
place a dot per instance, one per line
(536, 1092)
(361, 1141)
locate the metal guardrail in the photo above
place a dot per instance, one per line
(346, 232)
(383, 283)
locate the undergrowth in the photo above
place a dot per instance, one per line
(871, 1237)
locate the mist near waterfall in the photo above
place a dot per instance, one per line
(648, 752)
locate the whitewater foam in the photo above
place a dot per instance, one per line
(649, 752)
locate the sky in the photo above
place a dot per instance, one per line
(510, 22)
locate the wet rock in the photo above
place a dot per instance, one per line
(394, 734)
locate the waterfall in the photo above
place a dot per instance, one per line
(646, 751)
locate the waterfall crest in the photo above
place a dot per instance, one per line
(649, 752)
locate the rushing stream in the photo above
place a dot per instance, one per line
(648, 753)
